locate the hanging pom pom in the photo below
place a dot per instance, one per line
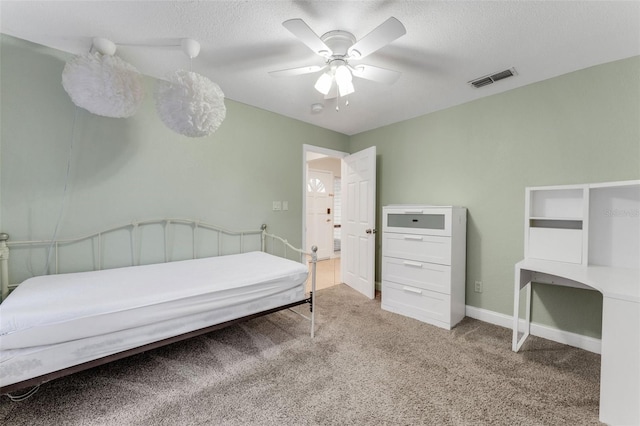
(103, 85)
(190, 104)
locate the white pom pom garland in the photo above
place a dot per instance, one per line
(190, 104)
(103, 85)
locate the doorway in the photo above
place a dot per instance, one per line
(323, 212)
(356, 221)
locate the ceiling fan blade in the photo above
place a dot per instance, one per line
(306, 35)
(380, 75)
(382, 35)
(296, 71)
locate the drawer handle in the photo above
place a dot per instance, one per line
(413, 237)
(412, 290)
(414, 264)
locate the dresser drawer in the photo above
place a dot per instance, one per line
(428, 276)
(424, 305)
(417, 220)
(422, 248)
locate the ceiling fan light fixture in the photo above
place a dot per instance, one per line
(323, 85)
(338, 47)
(346, 88)
(343, 75)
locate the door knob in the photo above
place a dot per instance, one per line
(370, 231)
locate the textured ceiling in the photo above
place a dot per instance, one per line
(447, 44)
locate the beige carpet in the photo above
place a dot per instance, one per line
(365, 367)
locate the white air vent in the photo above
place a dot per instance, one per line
(489, 79)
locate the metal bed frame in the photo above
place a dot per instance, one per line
(134, 228)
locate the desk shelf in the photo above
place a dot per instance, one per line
(587, 224)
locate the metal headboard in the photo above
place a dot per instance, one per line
(134, 228)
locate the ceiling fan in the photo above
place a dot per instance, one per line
(339, 48)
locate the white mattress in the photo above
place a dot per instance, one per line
(58, 309)
(17, 365)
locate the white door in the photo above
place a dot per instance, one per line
(358, 221)
(320, 212)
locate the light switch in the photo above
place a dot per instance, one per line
(277, 205)
(285, 205)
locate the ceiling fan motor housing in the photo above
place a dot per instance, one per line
(339, 42)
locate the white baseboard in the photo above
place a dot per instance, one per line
(572, 339)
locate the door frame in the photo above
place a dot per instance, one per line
(311, 149)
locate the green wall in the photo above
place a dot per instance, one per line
(136, 168)
(577, 128)
(581, 127)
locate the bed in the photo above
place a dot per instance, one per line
(62, 322)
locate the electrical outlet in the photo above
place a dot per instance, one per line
(478, 287)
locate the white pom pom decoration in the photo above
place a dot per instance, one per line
(190, 104)
(103, 85)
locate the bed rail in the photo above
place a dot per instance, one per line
(305, 257)
(4, 265)
(135, 231)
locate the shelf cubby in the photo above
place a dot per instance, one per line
(555, 222)
(591, 224)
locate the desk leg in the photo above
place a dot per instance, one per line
(522, 280)
(620, 362)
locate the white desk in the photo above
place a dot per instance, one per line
(620, 353)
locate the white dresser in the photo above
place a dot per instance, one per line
(424, 262)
